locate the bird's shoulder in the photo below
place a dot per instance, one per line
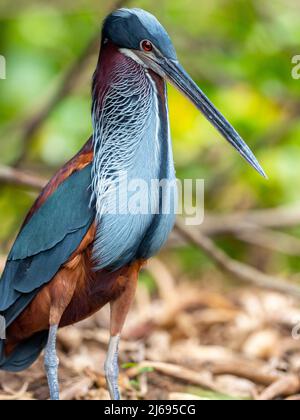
(82, 159)
(62, 208)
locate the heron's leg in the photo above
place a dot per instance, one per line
(51, 363)
(119, 310)
(61, 294)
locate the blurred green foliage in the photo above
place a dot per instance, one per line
(238, 51)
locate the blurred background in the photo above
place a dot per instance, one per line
(200, 327)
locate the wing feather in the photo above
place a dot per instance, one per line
(52, 232)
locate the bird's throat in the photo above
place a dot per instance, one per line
(129, 111)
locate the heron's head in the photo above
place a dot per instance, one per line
(139, 35)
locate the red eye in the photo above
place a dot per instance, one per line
(147, 46)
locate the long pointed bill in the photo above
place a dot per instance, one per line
(176, 75)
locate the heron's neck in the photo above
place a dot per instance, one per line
(122, 88)
(131, 136)
(130, 120)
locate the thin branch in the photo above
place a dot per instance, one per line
(237, 269)
(285, 216)
(246, 370)
(22, 178)
(260, 237)
(284, 387)
(202, 379)
(272, 240)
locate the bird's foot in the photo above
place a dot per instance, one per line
(51, 364)
(111, 368)
(53, 382)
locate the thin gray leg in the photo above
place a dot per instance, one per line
(111, 367)
(51, 363)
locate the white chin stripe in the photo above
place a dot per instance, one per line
(133, 56)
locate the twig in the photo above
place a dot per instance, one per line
(18, 395)
(239, 270)
(287, 216)
(164, 279)
(245, 370)
(272, 240)
(255, 228)
(288, 385)
(18, 177)
(200, 379)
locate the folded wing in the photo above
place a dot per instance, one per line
(51, 234)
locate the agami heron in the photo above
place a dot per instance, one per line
(71, 257)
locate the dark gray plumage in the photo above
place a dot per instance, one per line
(128, 27)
